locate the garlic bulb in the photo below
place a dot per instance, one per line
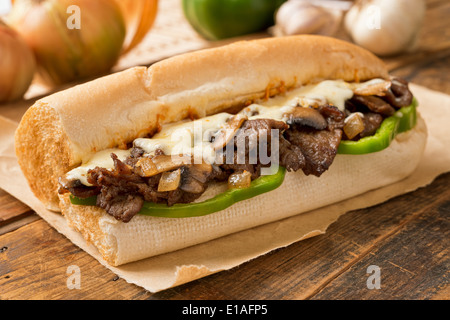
(17, 64)
(309, 17)
(385, 27)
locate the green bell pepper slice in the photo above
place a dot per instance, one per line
(195, 209)
(220, 19)
(403, 120)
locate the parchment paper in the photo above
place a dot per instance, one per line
(171, 269)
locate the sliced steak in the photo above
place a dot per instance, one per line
(372, 121)
(319, 147)
(123, 207)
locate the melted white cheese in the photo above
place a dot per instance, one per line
(186, 137)
(334, 92)
(258, 111)
(194, 137)
(100, 159)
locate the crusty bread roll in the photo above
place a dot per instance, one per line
(61, 130)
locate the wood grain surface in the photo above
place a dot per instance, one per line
(407, 237)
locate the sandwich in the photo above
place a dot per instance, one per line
(201, 145)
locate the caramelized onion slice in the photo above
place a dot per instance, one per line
(145, 167)
(169, 181)
(239, 180)
(354, 125)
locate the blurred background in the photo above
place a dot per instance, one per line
(5, 6)
(49, 45)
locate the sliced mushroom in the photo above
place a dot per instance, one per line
(189, 184)
(200, 171)
(377, 87)
(398, 94)
(306, 117)
(228, 131)
(194, 177)
(375, 104)
(147, 167)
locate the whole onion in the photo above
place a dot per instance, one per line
(139, 18)
(71, 39)
(17, 65)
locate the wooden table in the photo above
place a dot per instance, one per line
(407, 238)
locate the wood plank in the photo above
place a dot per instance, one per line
(19, 222)
(431, 73)
(11, 209)
(413, 264)
(33, 265)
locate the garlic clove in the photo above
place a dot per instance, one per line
(305, 17)
(333, 24)
(307, 20)
(385, 27)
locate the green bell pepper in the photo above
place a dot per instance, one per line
(220, 19)
(220, 202)
(403, 120)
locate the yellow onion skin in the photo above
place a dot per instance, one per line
(17, 65)
(139, 17)
(63, 54)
